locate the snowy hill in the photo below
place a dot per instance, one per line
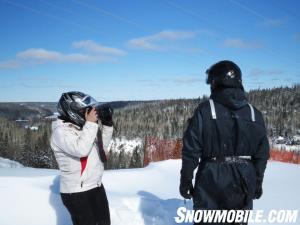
(147, 196)
(6, 163)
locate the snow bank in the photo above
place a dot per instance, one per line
(147, 196)
(6, 163)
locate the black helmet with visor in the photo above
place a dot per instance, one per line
(72, 106)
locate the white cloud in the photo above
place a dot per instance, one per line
(40, 54)
(261, 72)
(94, 47)
(43, 55)
(184, 80)
(154, 42)
(95, 54)
(239, 43)
(296, 37)
(47, 85)
(272, 23)
(142, 43)
(172, 35)
(10, 64)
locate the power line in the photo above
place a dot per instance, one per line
(52, 16)
(55, 6)
(107, 13)
(254, 12)
(286, 10)
(196, 15)
(114, 16)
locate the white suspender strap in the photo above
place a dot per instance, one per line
(214, 115)
(252, 112)
(212, 109)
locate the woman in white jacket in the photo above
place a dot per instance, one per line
(79, 146)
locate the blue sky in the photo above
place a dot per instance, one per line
(141, 50)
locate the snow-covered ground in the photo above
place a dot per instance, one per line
(147, 196)
(6, 163)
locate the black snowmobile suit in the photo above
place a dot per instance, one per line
(222, 127)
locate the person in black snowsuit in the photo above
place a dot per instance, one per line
(228, 136)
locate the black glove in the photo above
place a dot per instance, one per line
(105, 113)
(186, 188)
(258, 190)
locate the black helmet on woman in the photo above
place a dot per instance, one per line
(72, 106)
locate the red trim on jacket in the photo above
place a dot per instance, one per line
(83, 162)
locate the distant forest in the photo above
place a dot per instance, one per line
(167, 118)
(164, 119)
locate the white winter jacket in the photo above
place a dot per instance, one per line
(69, 144)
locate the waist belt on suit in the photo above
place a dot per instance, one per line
(229, 159)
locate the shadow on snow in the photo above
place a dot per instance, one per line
(62, 215)
(156, 211)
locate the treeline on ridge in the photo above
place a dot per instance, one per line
(165, 119)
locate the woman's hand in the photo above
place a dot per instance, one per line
(91, 116)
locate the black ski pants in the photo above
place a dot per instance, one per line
(88, 207)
